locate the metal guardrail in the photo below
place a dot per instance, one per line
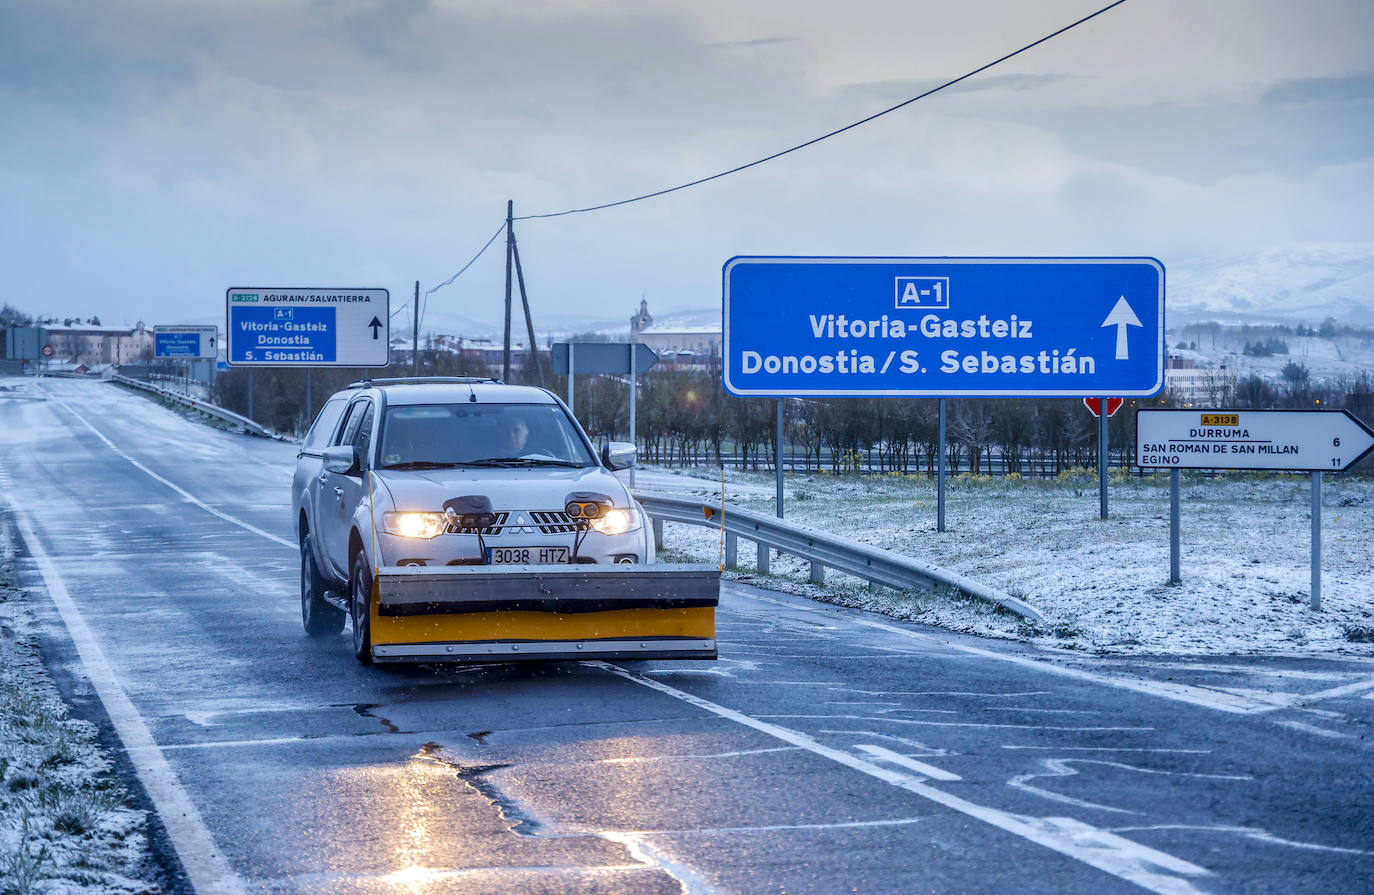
(203, 406)
(824, 551)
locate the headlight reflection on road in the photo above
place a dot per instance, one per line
(414, 840)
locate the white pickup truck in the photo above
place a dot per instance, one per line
(470, 521)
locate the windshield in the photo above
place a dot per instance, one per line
(431, 436)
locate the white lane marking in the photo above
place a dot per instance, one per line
(233, 520)
(205, 864)
(691, 882)
(1061, 767)
(1250, 833)
(1334, 692)
(777, 828)
(1146, 867)
(1319, 731)
(910, 763)
(1108, 749)
(887, 719)
(1200, 696)
(696, 756)
(926, 750)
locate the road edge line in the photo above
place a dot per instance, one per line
(205, 865)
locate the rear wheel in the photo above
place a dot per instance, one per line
(319, 618)
(360, 608)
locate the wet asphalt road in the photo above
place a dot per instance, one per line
(827, 751)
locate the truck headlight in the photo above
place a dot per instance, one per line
(615, 521)
(414, 525)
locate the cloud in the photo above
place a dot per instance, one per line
(1358, 88)
(896, 90)
(754, 42)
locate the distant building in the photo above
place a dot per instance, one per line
(680, 346)
(1188, 384)
(91, 343)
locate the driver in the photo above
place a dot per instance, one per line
(515, 436)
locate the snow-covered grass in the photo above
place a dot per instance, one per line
(65, 824)
(1101, 584)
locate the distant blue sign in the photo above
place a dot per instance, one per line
(943, 327)
(282, 335)
(176, 345)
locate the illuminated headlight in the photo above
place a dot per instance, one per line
(414, 525)
(615, 521)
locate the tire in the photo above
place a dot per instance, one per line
(319, 618)
(360, 608)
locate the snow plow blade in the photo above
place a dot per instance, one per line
(546, 612)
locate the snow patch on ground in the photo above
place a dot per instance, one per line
(65, 823)
(1102, 585)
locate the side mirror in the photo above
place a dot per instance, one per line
(340, 458)
(619, 455)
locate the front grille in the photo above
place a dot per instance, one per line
(553, 522)
(453, 528)
(548, 522)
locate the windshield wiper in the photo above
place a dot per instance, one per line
(521, 461)
(420, 464)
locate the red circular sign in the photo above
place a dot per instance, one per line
(47, 351)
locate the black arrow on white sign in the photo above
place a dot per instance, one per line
(376, 326)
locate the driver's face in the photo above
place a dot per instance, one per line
(517, 433)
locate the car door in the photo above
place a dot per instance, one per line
(309, 478)
(342, 492)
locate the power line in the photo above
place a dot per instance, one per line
(837, 132)
(471, 261)
(768, 158)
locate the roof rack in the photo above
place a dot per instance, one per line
(408, 380)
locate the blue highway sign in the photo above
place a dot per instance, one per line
(185, 342)
(943, 327)
(272, 327)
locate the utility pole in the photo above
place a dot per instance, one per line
(510, 251)
(415, 333)
(529, 321)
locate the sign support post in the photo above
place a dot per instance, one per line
(1102, 460)
(415, 332)
(940, 479)
(630, 350)
(571, 347)
(309, 406)
(777, 457)
(1174, 534)
(1316, 540)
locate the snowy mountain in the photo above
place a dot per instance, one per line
(1305, 283)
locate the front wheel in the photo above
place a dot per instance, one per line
(360, 608)
(318, 616)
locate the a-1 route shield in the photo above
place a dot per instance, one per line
(997, 327)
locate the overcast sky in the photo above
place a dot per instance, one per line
(155, 153)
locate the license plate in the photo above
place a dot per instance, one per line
(526, 556)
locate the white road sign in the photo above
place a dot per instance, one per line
(274, 327)
(186, 342)
(1310, 440)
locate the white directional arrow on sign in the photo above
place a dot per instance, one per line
(1121, 317)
